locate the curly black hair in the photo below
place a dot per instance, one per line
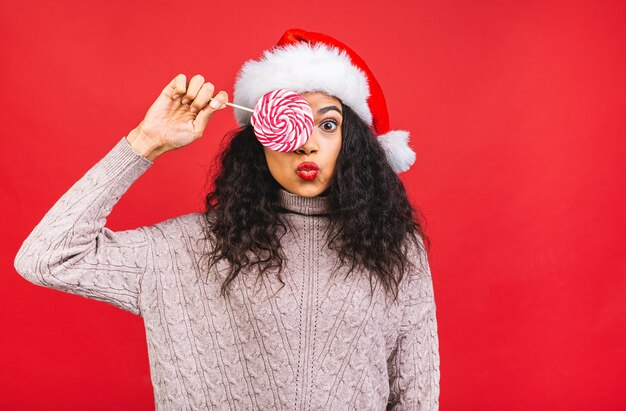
(371, 219)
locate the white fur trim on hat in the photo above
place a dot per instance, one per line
(396, 146)
(302, 67)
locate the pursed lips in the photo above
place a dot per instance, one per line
(308, 170)
(308, 166)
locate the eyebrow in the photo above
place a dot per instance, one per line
(328, 108)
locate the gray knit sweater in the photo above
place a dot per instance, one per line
(317, 344)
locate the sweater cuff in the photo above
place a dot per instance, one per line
(123, 159)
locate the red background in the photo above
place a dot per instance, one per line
(517, 114)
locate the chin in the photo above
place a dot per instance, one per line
(309, 191)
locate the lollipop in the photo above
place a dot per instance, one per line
(282, 120)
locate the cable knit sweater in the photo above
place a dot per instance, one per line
(320, 343)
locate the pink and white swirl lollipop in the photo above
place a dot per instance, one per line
(282, 120)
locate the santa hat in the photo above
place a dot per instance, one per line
(305, 61)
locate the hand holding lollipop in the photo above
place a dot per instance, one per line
(282, 119)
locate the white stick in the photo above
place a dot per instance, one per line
(239, 107)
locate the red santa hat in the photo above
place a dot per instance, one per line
(306, 61)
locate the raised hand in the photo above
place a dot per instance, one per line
(177, 117)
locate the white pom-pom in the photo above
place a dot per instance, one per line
(396, 146)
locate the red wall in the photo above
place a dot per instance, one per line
(517, 114)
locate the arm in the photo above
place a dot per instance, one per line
(71, 250)
(414, 363)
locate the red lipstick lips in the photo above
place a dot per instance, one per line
(308, 170)
(308, 165)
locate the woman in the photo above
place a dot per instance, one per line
(305, 283)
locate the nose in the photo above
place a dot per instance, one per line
(309, 147)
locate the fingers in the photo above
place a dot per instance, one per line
(207, 112)
(203, 96)
(176, 87)
(218, 101)
(193, 88)
(179, 87)
(197, 95)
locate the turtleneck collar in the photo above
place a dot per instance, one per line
(303, 205)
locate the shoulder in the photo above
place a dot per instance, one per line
(191, 225)
(182, 234)
(417, 284)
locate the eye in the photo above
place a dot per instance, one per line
(329, 125)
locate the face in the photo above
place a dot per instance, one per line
(320, 151)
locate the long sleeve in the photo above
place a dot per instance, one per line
(414, 363)
(71, 250)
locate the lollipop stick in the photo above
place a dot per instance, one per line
(239, 107)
